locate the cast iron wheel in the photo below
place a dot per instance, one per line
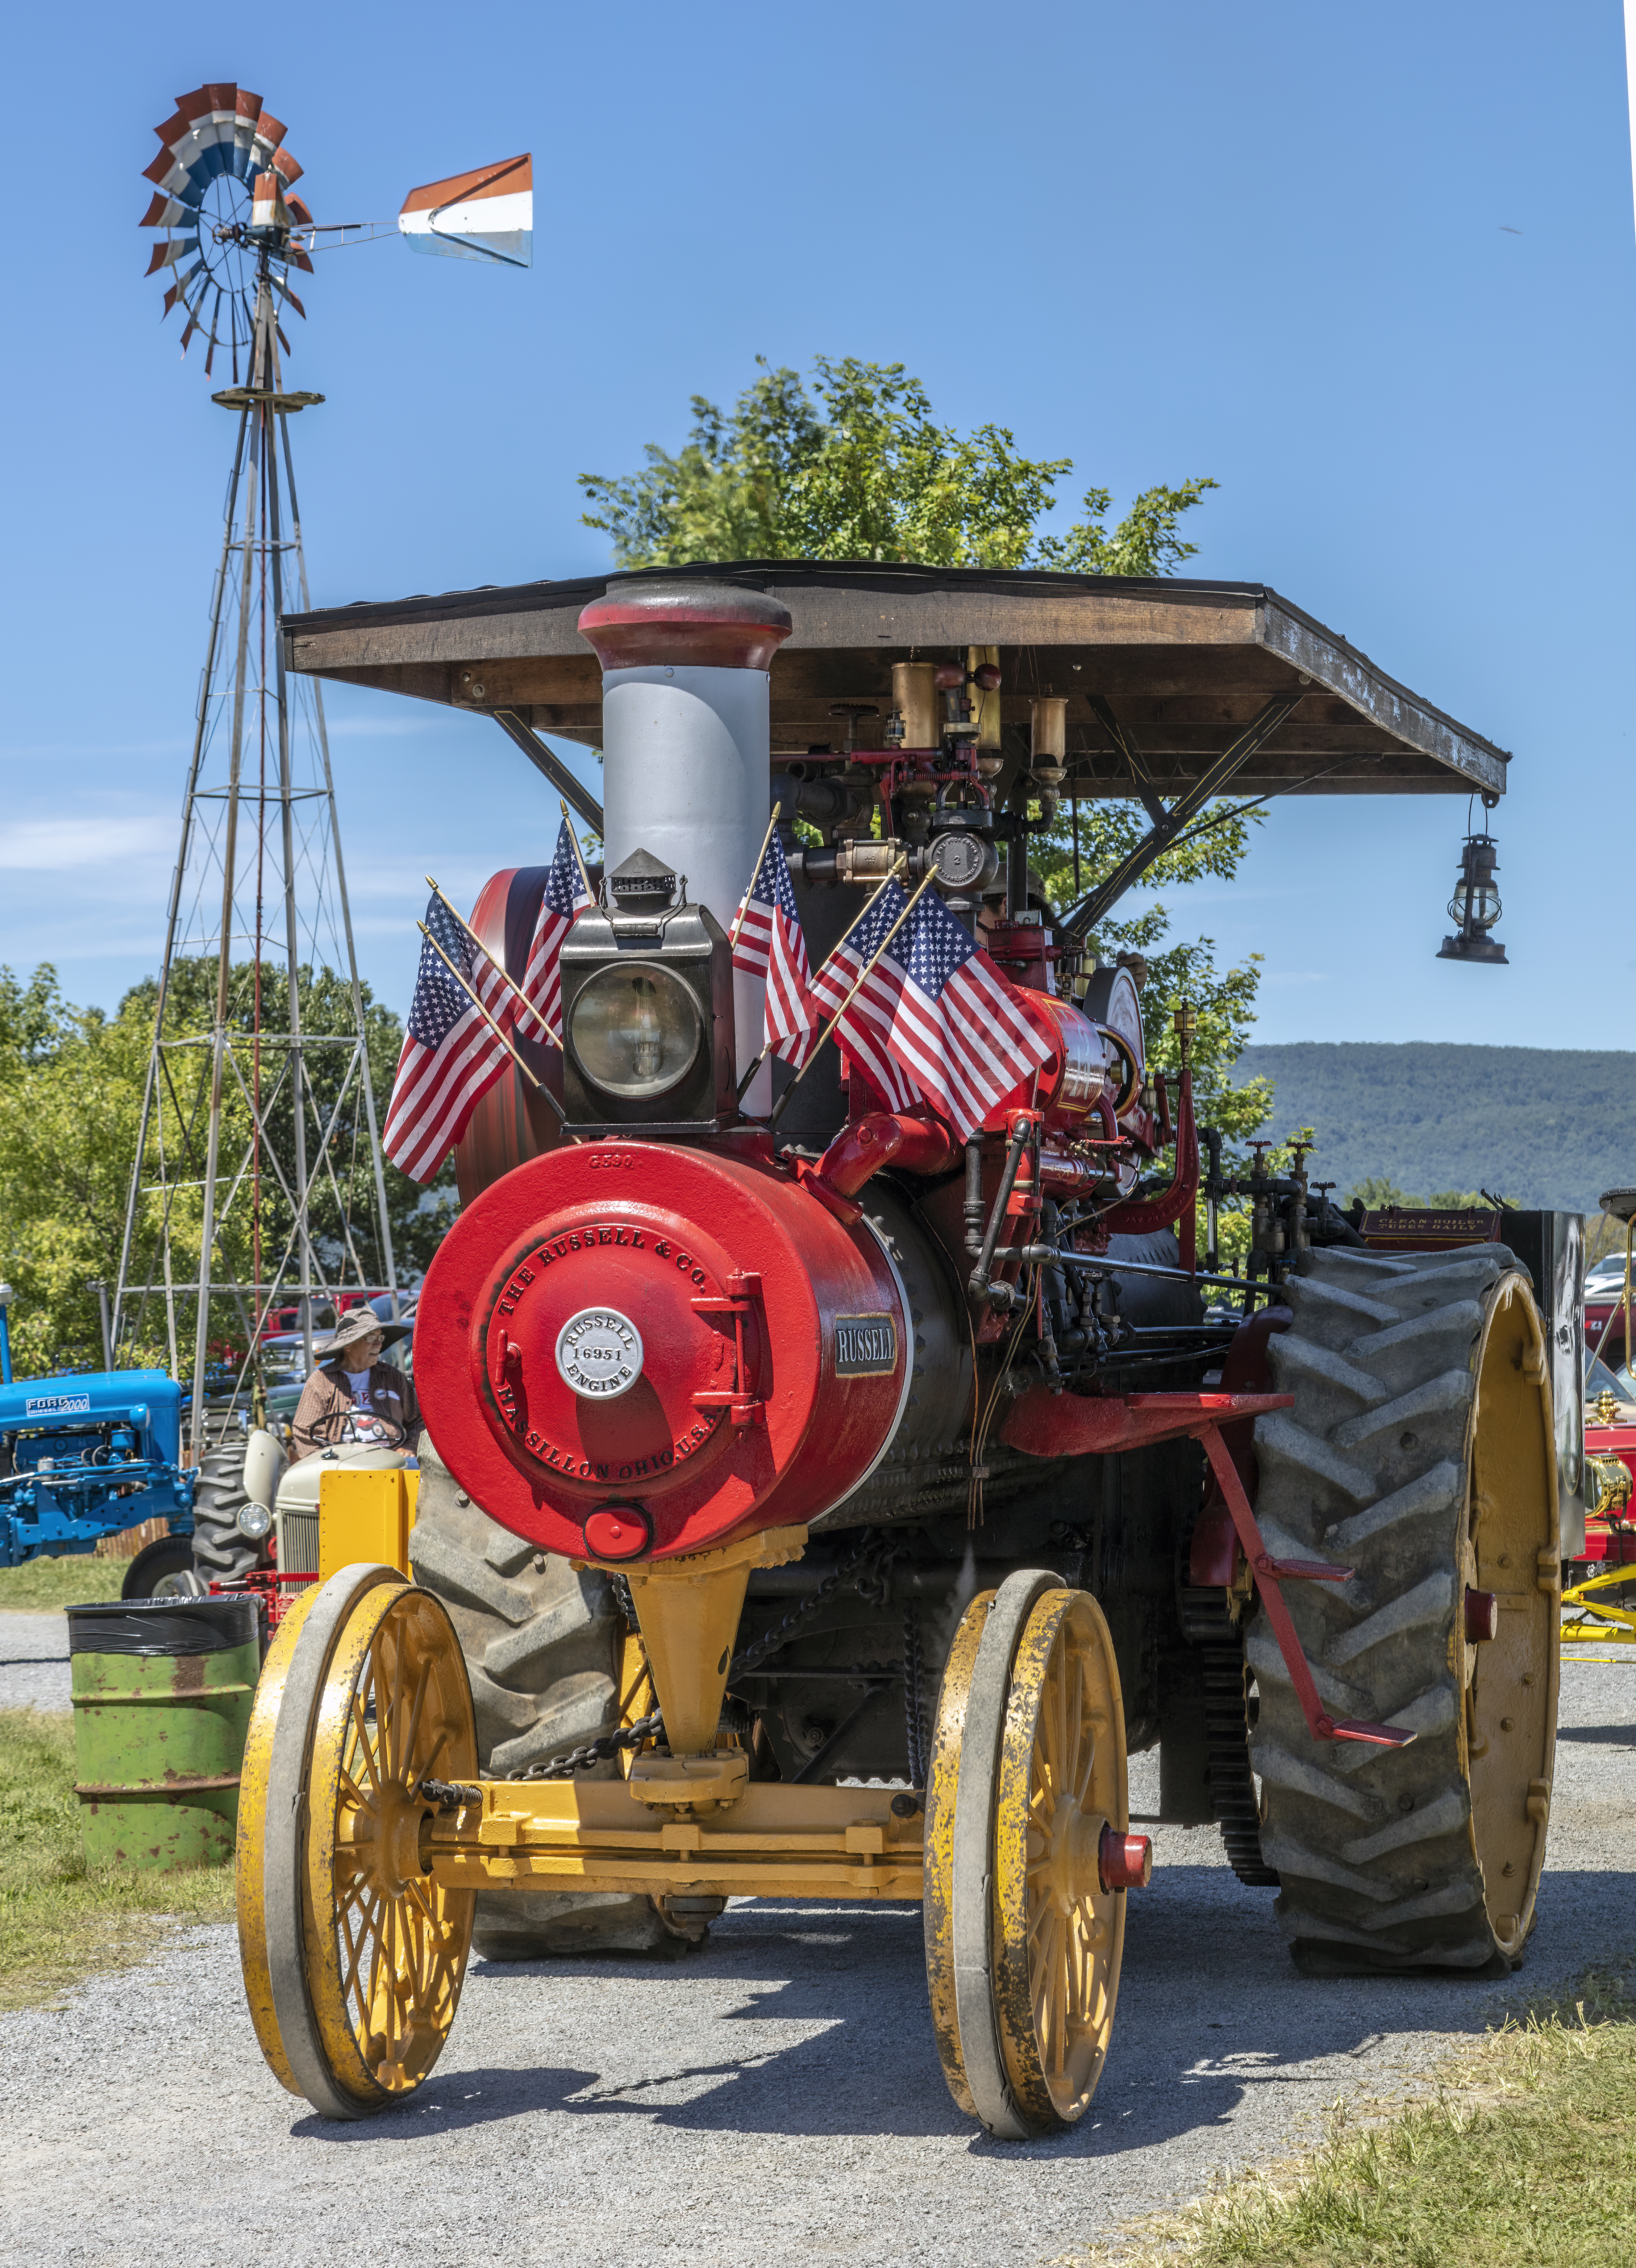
(163, 1569)
(1419, 1452)
(353, 1955)
(220, 1553)
(543, 1648)
(1023, 1943)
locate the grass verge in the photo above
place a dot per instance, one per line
(1525, 2157)
(61, 1921)
(72, 1582)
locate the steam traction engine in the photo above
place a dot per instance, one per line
(818, 1501)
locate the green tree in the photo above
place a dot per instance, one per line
(71, 1085)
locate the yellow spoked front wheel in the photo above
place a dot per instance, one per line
(1027, 1800)
(353, 1956)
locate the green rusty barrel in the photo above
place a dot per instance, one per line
(163, 1690)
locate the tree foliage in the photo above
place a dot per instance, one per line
(854, 466)
(71, 1082)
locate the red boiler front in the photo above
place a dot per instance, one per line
(625, 1351)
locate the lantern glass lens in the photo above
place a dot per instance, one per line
(636, 1029)
(1476, 903)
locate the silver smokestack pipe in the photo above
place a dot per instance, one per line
(685, 746)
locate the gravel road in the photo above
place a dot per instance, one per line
(33, 1662)
(773, 2099)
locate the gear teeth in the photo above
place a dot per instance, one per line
(1446, 1816)
(1428, 1602)
(1331, 1317)
(1296, 1773)
(1293, 1858)
(1281, 1442)
(1439, 1396)
(1429, 1905)
(1432, 1492)
(444, 1566)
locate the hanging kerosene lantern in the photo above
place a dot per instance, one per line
(1475, 906)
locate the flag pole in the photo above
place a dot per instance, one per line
(510, 981)
(777, 1111)
(573, 836)
(494, 1028)
(744, 903)
(744, 1084)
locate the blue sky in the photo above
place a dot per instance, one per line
(1274, 247)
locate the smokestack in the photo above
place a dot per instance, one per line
(684, 745)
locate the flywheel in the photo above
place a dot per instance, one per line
(1420, 1454)
(1027, 1856)
(353, 1955)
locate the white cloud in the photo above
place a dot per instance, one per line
(61, 845)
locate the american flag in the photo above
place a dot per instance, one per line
(542, 975)
(770, 943)
(865, 1030)
(451, 1057)
(958, 1029)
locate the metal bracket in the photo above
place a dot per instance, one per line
(1169, 823)
(1268, 1574)
(516, 728)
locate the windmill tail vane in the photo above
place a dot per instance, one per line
(224, 199)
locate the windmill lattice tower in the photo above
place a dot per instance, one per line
(251, 1128)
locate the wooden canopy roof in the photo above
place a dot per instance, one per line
(1182, 666)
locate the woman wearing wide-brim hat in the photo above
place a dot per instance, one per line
(352, 1396)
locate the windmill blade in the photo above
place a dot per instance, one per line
(167, 255)
(246, 110)
(282, 288)
(488, 214)
(210, 354)
(168, 212)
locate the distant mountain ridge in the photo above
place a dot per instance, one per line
(1544, 1126)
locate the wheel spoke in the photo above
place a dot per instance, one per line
(364, 1743)
(404, 1769)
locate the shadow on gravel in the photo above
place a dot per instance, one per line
(1211, 2013)
(1620, 1736)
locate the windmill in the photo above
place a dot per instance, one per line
(258, 1177)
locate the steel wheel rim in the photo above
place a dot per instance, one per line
(1510, 1544)
(387, 1946)
(1059, 1936)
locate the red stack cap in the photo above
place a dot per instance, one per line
(697, 625)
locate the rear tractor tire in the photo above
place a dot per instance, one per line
(543, 1648)
(1419, 1452)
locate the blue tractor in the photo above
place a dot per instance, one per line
(88, 1455)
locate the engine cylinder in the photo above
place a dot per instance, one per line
(685, 741)
(626, 1348)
